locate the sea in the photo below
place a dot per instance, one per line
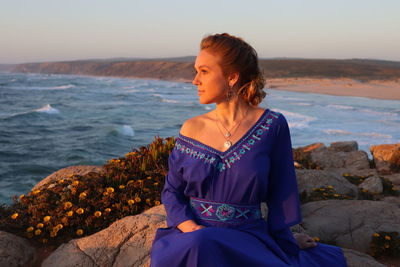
(51, 121)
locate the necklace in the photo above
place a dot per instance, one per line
(228, 133)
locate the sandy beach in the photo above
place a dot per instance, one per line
(342, 87)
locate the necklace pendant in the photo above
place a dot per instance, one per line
(227, 144)
(228, 134)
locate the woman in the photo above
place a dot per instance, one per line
(224, 164)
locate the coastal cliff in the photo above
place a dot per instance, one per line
(181, 69)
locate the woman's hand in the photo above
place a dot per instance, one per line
(189, 226)
(304, 240)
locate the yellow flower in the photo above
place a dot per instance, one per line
(314, 189)
(110, 190)
(364, 190)
(387, 245)
(38, 232)
(53, 234)
(148, 200)
(157, 202)
(155, 183)
(346, 174)
(330, 187)
(80, 211)
(82, 195)
(131, 202)
(14, 216)
(97, 213)
(39, 225)
(105, 194)
(387, 237)
(76, 182)
(46, 218)
(70, 213)
(67, 205)
(44, 240)
(64, 220)
(316, 239)
(376, 235)
(35, 192)
(71, 175)
(137, 199)
(61, 181)
(121, 186)
(29, 229)
(322, 189)
(148, 177)
(336, 195)
(59, 227)
(129, 182)
(21, 196)
(79, 232)
(108, 210)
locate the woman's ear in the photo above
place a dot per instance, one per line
(233, 79)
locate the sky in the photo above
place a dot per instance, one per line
(52, 30)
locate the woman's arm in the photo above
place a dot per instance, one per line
(189, 226)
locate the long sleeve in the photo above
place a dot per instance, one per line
(175, 202)
(283, 198)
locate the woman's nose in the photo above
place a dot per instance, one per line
(195, 80)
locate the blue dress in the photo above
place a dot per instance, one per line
(222, 190)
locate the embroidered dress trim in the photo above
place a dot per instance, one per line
(224, 212)
(235, 152)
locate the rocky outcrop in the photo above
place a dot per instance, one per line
(386, 158)
(350, 223)
(15, 251)
(66, 173)
(355, 258)
(342, 155)
(372, 184)
(126, 242)
(309, 179)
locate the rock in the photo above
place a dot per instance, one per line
(126, 242)
(309, 179)
(372, 184)
(394, 178)
(65, 173)
(350, 223)
(352, 172)
(391, 199)
(15, 250)
(331, 159)
(358, 259)
(345, 146)
(386, 157)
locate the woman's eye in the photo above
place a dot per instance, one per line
(203, 71)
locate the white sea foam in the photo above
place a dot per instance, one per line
(48, 109)
(344, 132)
(301, 104)
(296, 120)
(207, 108)
(337, 106)
(126, 130)
(379, 113)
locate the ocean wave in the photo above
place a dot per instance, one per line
(338, 106)
(379, 113)
(47, 109)
(60, 87)
(126, 130)
(344, 132)
(165, 99)
(301, 104)
(296, 120)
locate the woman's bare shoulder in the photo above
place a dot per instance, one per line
(193, 125)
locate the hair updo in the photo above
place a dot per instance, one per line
(238, 56)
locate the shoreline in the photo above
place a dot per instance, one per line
(376, 89)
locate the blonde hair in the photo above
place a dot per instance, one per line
(238, 56)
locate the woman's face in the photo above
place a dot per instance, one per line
(210, 80)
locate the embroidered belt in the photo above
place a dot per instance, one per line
(223, 212)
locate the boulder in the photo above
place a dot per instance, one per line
(355, 258)
(350, 223)
(126, 242)
(331, 159)
(386, 157)
(309, 179)
(394, 178)
(65, 173)
(15, 250)
(344, 146)
(372, 184)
